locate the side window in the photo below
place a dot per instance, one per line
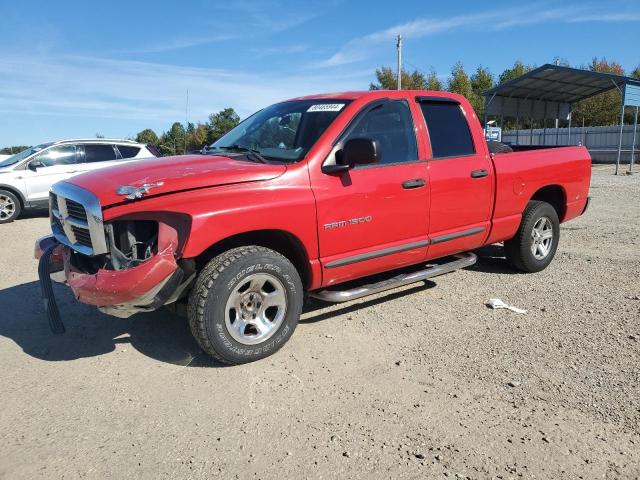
(128, 151)
(448, 129)
(61, 155)
(98, 153)
(389, 123)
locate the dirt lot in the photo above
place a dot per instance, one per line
(426, 382)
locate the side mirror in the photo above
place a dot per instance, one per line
(357, 151)
(35, 165)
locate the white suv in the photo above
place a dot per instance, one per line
(26, 177)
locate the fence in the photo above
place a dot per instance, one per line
(602, 142)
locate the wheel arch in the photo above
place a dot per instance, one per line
(16, 192)
(555, 196)
(281, 241)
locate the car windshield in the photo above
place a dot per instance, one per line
(282, 132)
(12, 160)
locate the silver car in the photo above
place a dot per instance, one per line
(26, 177)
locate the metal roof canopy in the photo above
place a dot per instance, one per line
(551, 90)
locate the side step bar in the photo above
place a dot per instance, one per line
(337, 296)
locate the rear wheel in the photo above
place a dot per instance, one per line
(10, 206)
(245, 304)
(533, 247)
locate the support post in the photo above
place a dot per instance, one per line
(620, 139)
(558, 125)
(399, 46)
(633, 142)
(570, 118)
(544, 129)
(531, 131)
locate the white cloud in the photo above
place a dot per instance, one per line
(361, 48)
(148, 92)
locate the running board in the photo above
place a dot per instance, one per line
(338, 296)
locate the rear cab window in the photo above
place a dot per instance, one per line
(448, 128)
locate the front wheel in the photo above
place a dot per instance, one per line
(10, 206)
(245, 304)
(535, 244)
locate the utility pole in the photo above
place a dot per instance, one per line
(186, 122)
(399, 47)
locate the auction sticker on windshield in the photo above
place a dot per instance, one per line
(326, 107)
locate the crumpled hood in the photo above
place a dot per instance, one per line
(179, 173)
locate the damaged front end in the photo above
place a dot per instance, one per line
(123, 266)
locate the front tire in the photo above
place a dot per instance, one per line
(533, 247)
(10, 206)
(245, 304)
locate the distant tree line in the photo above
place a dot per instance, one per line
(178, 140)
(12, 150)
(603, 109)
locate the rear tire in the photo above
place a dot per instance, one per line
(245, 304)
(10, 206)
(533, 247)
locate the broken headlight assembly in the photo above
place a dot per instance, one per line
(131, 242)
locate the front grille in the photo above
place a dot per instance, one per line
(53, 201)
(83, 237)
(76, 210)
(76, 219)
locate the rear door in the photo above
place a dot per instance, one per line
(55, 164)
(374, 217)
(460, 176)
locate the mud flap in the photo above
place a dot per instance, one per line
(48, 298)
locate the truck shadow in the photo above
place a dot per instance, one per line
(160, 335)
(491, 260)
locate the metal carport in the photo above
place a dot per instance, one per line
(550, 91)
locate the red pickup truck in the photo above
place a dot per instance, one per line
(308, 196)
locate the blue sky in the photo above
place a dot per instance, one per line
(77, 68)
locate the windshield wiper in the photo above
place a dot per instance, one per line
(255, 154)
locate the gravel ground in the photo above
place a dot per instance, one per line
(425, 382)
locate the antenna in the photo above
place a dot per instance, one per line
(399, 47)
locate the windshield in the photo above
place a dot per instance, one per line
(7, 162)
(284, 131)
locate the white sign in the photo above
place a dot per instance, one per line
(326, 107)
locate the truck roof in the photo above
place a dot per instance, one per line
(353, 95)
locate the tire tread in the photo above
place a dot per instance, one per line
(202, 289)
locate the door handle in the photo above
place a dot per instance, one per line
(479, 173)
(414, 183)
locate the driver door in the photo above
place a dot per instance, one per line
(48, 167)
(374, 217)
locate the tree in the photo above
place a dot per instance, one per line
(99, 135)
(481, 81)
(388, 80)
(603, 109)
(433, 82)
(518, 69)
(636, 73)
(220, 123)
(459, 82)
(172, 142)
(196, 136)
(147, 136)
